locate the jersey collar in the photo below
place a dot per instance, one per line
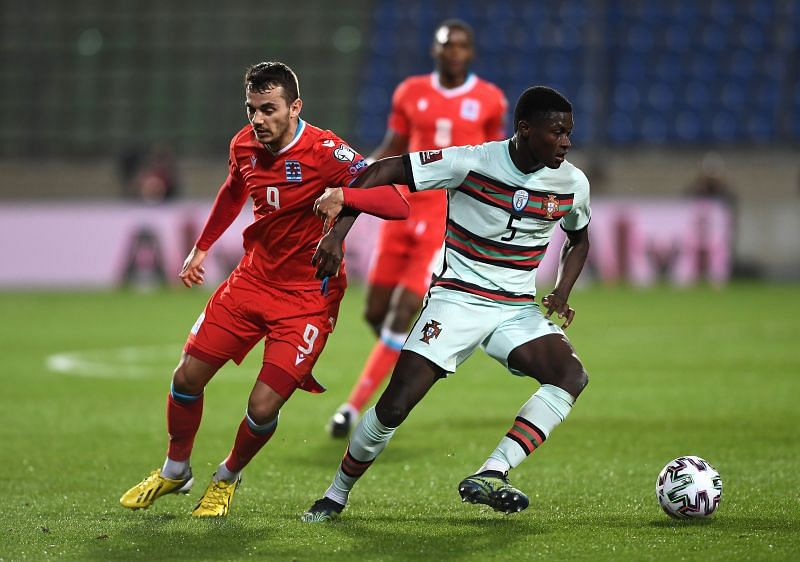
(468, 84)
(301, 126)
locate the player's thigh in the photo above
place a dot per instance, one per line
(531, 345)
(299, 323)
(520, 326)
(450, 327)
(225, 329)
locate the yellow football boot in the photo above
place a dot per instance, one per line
(216, 500)
(153, 487)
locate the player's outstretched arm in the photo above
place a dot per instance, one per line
(573, 257)
(383, 201)
(328, 255)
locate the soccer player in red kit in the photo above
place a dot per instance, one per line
(283, 164)
(450, 106)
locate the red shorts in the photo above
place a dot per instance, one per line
(407, 251)
(295, 322)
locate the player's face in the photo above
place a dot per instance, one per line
(453, 51)
(271, 116)
(547, 140)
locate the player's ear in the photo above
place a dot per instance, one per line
(294, 109)
(523, 128)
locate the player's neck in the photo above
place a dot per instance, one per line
(522, 159)
(287, 138)
(450, 81)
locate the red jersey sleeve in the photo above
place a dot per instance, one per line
(339, 165)
(398, 118)
(383, 201)
(496, 124)
(227, 206)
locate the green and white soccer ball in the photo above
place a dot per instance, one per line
(689, 487)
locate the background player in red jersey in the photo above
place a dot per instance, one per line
(450, 106)
(283, 164)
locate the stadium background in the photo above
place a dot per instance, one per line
(664, 93)
(660, 88)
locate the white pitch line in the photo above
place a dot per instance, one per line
(120, 362)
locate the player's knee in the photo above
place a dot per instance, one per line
(374, 319)
(575, 378)
(185, 380)
(261, 413)
(581, 379)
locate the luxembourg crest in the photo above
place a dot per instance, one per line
(550, 206)
(431, 330)
(520, 199)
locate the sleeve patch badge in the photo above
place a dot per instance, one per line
(428, 156)
(344, 153)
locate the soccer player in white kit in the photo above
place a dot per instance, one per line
(505, 199)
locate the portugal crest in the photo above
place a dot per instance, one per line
(520, 199)
(431, 330)
(550, 206)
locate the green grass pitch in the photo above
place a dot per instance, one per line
(672, 372)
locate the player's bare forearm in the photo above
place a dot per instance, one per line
(573, 257)
(382, 172)
(344, 223)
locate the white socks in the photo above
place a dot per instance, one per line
(369, 438)
(537, 418)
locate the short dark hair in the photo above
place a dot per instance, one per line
(454, 23)
(538, 101)
(265, 75)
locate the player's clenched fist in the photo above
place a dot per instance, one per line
(329, 204)
(193, 272)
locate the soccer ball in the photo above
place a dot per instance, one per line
(689, 487)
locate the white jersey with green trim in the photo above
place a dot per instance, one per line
(500, 220)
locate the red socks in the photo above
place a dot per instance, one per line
(380, 363)
(248, 443)
(183, 420)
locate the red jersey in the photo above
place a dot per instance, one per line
(432, 117)
(281, 241)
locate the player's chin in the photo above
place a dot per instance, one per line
(556, 162)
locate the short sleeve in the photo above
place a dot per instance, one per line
(581, 213)
(338, 163)
(398, 118)
(438, 169)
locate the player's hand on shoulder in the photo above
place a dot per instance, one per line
(193, 272)
(328, 256)
(329, 204)
(558, 304)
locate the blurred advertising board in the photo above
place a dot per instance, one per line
(110, 244)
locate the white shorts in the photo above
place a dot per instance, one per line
(453, 324)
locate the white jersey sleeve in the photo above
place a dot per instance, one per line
(437, 169)
(580, 213)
